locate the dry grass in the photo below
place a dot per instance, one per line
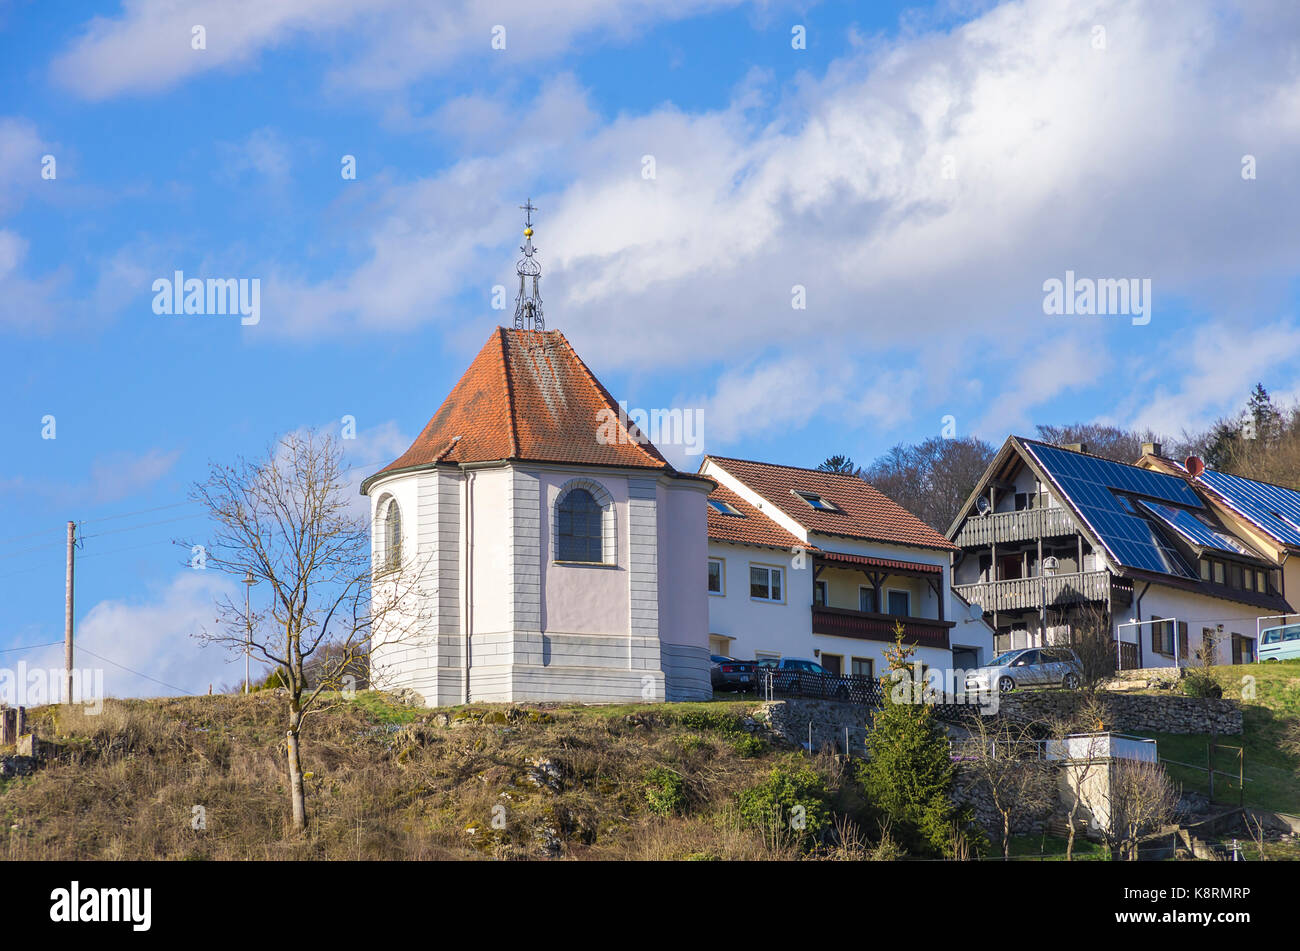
(384, 783)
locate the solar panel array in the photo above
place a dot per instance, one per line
(1194, 530)
(1273, 508)
(1132, 540)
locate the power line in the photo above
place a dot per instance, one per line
(132, 528)
(136, 672)
(29, 647)
(156, 508)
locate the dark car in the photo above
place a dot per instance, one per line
(727, 673)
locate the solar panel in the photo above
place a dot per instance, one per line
(1273, 508)
(1194, 530)
(1091, 484)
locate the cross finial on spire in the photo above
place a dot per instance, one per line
(528, 305)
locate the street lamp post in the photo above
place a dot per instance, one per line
(249, 581)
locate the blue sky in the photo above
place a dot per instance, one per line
(920, 170)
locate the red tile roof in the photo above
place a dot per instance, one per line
(752, 527)
(528, 396)
(865, 511)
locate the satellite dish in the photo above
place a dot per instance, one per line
(976, 612)
(982, 505)
(1194, 466)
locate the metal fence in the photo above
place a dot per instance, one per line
(847, 688)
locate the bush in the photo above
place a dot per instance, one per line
(665, 792)
(1201, 683)
(748, 746)
(719, 721)
(794, 796)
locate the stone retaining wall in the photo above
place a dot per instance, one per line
(789, 720)
(1130, 713)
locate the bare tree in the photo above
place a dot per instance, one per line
(1140, 798)
(1084, 753)
(1093, 644)
(931, 479)
(285, 519)
(1001, 758)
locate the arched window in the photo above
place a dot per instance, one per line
(581, 527)
(392, 535)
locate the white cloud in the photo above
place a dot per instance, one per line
(1117, 162)
(154, 638)
(148, 47)
(1210, 373)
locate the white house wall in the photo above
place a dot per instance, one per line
(1199, 611)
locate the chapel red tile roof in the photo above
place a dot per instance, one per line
(865, 511)
(751, 527)
(528, 396)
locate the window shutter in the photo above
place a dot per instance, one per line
(1155, 636)
(1182, 639)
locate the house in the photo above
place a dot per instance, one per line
(1265, 516)
(821, 565)
(558, 559)
(1053, 537)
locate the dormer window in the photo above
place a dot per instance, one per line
(816, 501)
(725, 508)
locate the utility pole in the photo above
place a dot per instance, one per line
(67, 617)
(249, 581)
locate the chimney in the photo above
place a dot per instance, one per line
(1152, 449)
(1075, 446)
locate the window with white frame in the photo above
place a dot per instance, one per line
(583, 530)
(765, 583)
(816, 501)
(392, 516)
(717, 576)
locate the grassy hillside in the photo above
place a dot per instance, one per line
(386, 781)
(1270, 714)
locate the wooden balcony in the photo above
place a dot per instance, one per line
(867, 625)
(1022, 526)
(1021, 594)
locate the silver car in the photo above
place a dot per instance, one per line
(1027, 667)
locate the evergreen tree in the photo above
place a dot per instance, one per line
(839, 463)
(909, 772)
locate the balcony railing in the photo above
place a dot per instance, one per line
(1024, 593)
(841, 622)
(1015, 526)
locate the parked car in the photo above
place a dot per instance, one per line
(1027, 667)
(1280, 643)
(727, 673)
(799, 675)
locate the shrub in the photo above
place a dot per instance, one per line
(719, 721)
(794, 796)
(748, 746)
(665, 792)
(1201, 683)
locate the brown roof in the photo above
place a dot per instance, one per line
(865, 511)
(528, 396)
(752, 527)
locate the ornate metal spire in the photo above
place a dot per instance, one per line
(528, 305)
